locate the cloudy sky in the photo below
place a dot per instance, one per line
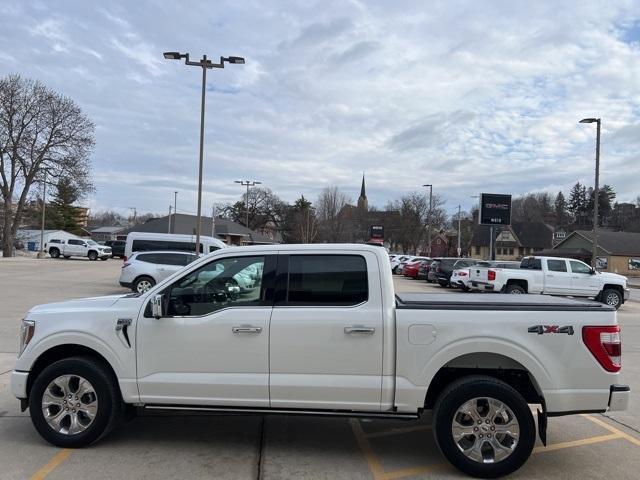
(470, 96)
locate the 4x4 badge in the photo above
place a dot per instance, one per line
(541, 329)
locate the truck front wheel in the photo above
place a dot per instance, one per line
(54, 252)
(74, 402)
(611, 297)
(92, 255)
(483, 427)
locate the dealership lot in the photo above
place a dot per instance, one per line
(224, 446)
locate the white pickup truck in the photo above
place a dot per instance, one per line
(323, 334)
(77, 247)
(552, 276)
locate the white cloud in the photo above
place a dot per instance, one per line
(470, 96)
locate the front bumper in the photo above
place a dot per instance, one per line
(19, 383)
(619, 397)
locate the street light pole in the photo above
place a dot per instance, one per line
(248, 183)
(596, 190)
(204, 64)
(459, 233)
(429, 217)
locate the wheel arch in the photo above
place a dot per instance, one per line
(521, 282)
(60, 352)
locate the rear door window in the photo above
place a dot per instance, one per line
(557, 265)
(327, 280)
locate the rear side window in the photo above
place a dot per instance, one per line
(148, 245)
(531, 264)
(327, 280)
(557, 265)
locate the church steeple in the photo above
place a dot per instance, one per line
(362, 200)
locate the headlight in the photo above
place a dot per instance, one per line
(27, 329)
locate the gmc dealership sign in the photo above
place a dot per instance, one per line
(495, 209)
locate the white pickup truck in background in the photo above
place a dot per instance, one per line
(552, 276)
(77, 247)
(322, 333)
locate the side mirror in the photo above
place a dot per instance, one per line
(156, 306)
(593, 271)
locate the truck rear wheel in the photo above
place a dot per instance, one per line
(74, 402)
(483, 427)
(516, 289)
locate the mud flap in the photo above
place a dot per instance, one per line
(542, 425)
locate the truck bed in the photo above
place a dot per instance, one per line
(487, 301)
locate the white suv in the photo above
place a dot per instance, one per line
(144, 269)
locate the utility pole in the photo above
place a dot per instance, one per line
(429, 218)
(41, 253)
(213, 221)
(175, 210)
(459, 233)
(169, 226)
(248, 183)
(135, 214)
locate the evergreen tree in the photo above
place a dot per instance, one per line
(62, 215)
(560, 207)
(578, 203)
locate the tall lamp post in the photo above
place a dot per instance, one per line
(429, 216)
(205, 64)
(248, 183)
(596, 190)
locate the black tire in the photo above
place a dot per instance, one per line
(93, 256)
(477, 386)
(443, 284)
(54, 252)
(514, 289)
(612, 297)
(140, 280)
(108, 395)
(104, 259)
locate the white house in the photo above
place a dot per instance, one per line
(27, 236)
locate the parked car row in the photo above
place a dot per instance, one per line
(538, 275)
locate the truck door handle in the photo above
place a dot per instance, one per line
(549, 276)
(359, 329)
(246, 329)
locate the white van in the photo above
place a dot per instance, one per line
(144, 242)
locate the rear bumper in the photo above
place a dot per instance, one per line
(482, 286)
(126, 284)
(619, 397)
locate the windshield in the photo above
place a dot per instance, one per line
(91, 242)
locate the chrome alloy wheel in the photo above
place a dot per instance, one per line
(143, 286)
(612, 299)
(69, 404)
(485, 430)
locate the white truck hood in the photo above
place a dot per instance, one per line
(614, 277)
(76, 305)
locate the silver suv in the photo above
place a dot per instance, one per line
(143, 270)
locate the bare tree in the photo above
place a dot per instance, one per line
(412, 216)
(330, 215)
(39, 130)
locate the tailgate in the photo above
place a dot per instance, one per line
(478, 274)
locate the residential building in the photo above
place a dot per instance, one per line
(228, 231)
(513, 241)
(104, 234)
(618, 252)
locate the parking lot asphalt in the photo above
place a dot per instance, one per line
(274, 447)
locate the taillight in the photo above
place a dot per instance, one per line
(605, 345)
(462, 274)
(124, 259)
(491, 275)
